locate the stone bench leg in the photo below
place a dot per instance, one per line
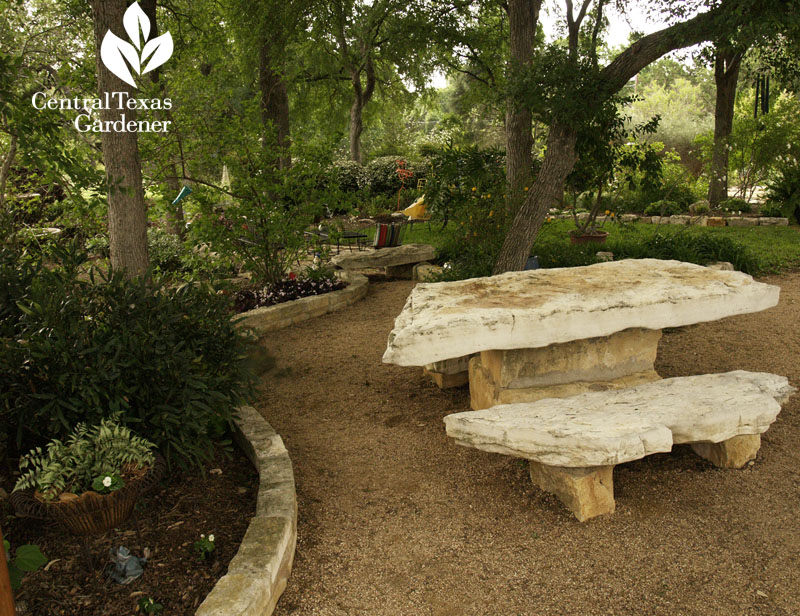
(733, 453)
(449, 372)
(587, 492)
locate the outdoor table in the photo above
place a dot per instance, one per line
(553, 333)
(345, 237)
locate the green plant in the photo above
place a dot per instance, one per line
(204, 546)
(701, 209)
(739, 206)
(784, 189)
(149, 606)
(90, 457)
(771, 210)
(77, 348)
(27, 558)
(663, 208)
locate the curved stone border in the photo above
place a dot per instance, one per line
(685, 219)
(270, 318)
(258, 573)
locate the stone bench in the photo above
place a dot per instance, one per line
(574, 443)
(398, 261)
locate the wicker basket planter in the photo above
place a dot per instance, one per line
(90, 513)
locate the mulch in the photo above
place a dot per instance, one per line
(171, 519)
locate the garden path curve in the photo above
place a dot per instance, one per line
(395, 520)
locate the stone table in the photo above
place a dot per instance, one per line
(555, 333)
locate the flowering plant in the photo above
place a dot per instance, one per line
(204, 546)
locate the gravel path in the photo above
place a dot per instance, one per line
(395, 519)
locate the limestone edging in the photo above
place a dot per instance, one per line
(258, 573)
(271, 318)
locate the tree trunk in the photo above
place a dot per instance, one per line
(546, 190)
(726, 76)
(5, 170)
(127, 217)
(356, 128)
(174, 217)
(523, 16)
(274, 102)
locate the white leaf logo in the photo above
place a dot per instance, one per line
(114, 52)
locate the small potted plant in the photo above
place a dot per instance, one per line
(91, 480)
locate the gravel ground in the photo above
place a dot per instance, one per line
(395, 519)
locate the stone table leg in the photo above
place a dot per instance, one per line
(449, 372)
(623, 359)
(733, 453)
(586, 492)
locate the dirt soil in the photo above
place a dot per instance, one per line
(395, 519)
(171, 519)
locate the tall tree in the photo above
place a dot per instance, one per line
(127, 217)
(586, 91)
(523, 16)
(727, 62)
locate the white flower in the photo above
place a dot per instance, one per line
(107, 481)
(202, 536)
(211, 538)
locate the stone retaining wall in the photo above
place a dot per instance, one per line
(685, 219)
(270, 318)
(258, 573)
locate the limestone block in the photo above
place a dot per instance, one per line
(656, 220)
(741, 221)
(605, 256)
(612, 427)
(630, 217)
(451, 366)
(448, 381)
(425, 272)
(766, 221)
(724, 266)
(679, 219)
(385, 257)
(733, 453)
(703, 204)
(485, 393)
(535, 308)
(715, 221)
(400, 272)
(582, 216)
(591, 359)
(586, 492)
(698, 221)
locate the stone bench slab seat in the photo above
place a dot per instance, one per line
(393, 256)
(573, 443)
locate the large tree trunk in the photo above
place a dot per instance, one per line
(561, 156)
(5, 170)
(127, 217)
(360, 99)
(523, 16)
(274, 101)
(547, 189)
(726, 77)
(174, 219)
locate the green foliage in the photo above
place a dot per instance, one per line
(75, 350)
(88, 454)
(27, 558)
(105, 484)
(349, 175)
(204, 546)
(148, 605)
(663, 208)
(739, 206)
(771, 210)
(784, 189)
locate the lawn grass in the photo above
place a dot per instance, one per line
(774, 249)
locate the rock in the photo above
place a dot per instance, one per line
(630, 217)
(587, 492)
(450, 372)
(765, 221)
(385, 257)
(679, 219)
(400, 272)
(612, 427)
(535, 308)
(605, 256)
(656, 220)
(715, 221)
(723, 266)
(425, 272)
(741, 221)
(698, 221)
(703, 205)
(733, 453)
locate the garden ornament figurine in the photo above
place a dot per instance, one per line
(127, 567)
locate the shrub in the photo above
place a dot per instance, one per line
(349, 175)
(663, 208)
(736, 205)
(381, 174)
(771, 210)
(77, 350)
(785, 188)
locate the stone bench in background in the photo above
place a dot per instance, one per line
(574, 443)
(397, 261)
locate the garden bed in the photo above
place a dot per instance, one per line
(171, 519)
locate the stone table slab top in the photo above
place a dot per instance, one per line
(536, 308)
(612, 427)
